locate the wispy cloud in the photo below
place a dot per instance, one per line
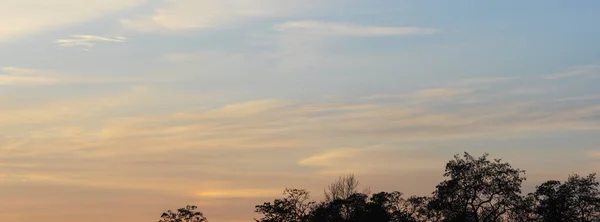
(441, 93)
(594, 154)
(88, 41)
(424, 94)
(115, 144)
(239, 193)
(212, 57)
(529, 91)
(23, 18)
(484, 81)
(328, 158)
(449, 90)
(184, 15)
(577, 98)
(373, 159)
(346, 29)
(273, 124)
(57, 111)
(580, 71)
(17, 76)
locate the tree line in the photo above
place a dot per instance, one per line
(475, 189)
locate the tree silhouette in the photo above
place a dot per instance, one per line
(417, 208)
(476, 189)
(524, 210)
(186, 214)
(380, 207)
(578, 199)
(294, 207)
(342, 188)
(479, 190)
(355, 208)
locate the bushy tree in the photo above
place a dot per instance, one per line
(478, 190)
(359, 207)
(294, 207)
(342, 188)
(524, 210)
(186, 214)
(577, 199)
(417, 208)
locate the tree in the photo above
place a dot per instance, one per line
(416, 208)
(524, 210)
(475, 190)
(551, 202)
(398, 209)
(355, 208)
(387, 205)
(342, 188)
(294, 207)
(187, 214)
(359, 207)
(478, 190)
(578, 199)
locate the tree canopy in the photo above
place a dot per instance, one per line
(478, 189)
(475, 189)
(186, 214)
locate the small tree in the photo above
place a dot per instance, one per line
(342, 188)
(294, 207)
(577, 199)
(187, 214)
(416, 208)
(359, 207)
(524, 210)
(478, 190)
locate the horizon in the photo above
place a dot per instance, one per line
(117, 110)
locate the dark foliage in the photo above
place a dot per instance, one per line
(577, 199)
(294, 207)
(186, 214)
(476, 189)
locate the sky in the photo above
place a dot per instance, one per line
(117, 110)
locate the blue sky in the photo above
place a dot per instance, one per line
(120, 101)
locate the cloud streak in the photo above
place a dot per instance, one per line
(23, 18)
(20, 76)
(88, 41)
(580, 71)
(441, 93)
(274, 124)
(17, 76)
(594, 154)
(130, 141)
(373, 159)
(239, 193)
(346, 29)
(186, 15)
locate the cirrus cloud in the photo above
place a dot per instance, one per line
(17, 76)
(346, 29)
(586, 71)
(373, 159)
(88, 41)
(20, 18)
(185, 15)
